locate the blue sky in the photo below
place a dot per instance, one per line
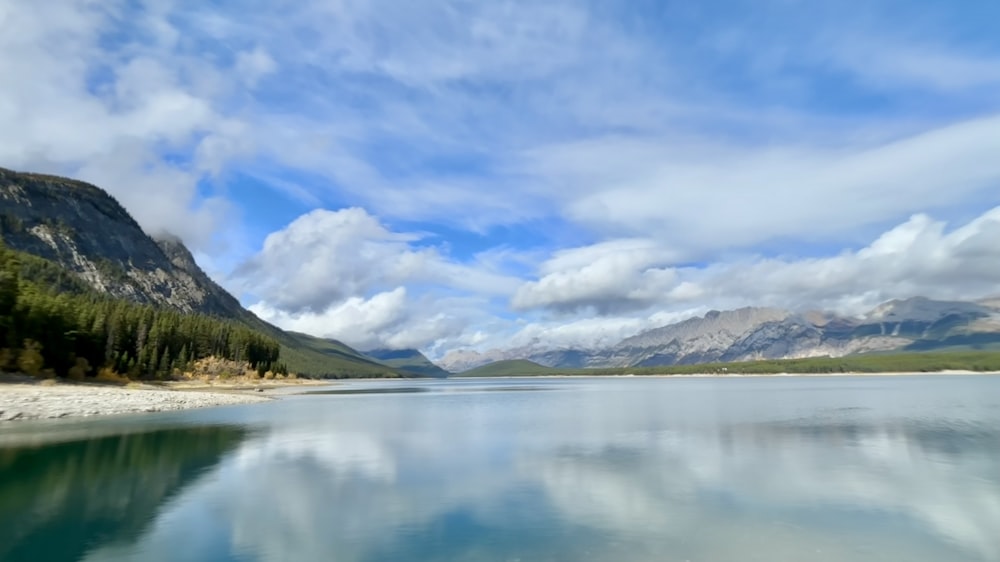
(467, 175)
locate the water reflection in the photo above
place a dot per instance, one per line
(412, 389)
(388, 390)
(650, 470)
(58, 501)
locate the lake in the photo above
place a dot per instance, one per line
(624, 469)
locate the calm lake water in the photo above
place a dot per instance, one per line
(627, 469)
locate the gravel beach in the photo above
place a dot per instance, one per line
(35, 401)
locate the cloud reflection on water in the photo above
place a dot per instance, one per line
(581, 475)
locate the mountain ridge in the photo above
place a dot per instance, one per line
(758, 333)
(87, 232)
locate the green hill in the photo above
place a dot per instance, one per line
(408, 361)
(514, 368)
(328, 358)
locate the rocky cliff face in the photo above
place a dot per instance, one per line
(750, 334)
(696, 340)
(81, 227)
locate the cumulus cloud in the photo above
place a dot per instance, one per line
(328, 256)
(386, 320)
(343, 274)
(607, 276)
(920, 257)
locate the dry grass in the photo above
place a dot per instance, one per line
(107, 375)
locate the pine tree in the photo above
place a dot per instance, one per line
(163, 368)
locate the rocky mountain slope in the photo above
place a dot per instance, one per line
(86, 232)
(82, 228)
(915, 324)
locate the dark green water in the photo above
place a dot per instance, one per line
(630, 469)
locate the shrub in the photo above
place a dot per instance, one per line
(108, 375)
(6, 359)
(80, 369)
(30, 360)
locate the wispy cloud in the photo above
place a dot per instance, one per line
(666, 146)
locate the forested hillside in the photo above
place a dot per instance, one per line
(51, 323)
(74, 237)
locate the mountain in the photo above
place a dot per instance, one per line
(509, 368)
(462, 360)
(915, 324)
(696, 340)
(86, 231)
(87, 234)
(408, 361)
(748, 334)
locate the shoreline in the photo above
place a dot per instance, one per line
(23, 398)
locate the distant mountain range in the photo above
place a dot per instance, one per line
(746, 334)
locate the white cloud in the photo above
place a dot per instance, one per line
(702, 141)
(920, 257)
(325, 257)
(343, 274)
(253, 65)
(700, 197)
(104, 115)
(605, 276)
(917, 258)
(386, 320)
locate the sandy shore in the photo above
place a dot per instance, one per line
(26, 401)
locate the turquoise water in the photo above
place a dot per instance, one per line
(627, 469)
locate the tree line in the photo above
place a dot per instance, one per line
(51, 322)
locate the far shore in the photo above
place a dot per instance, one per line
(732, 375)
(848, 374)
